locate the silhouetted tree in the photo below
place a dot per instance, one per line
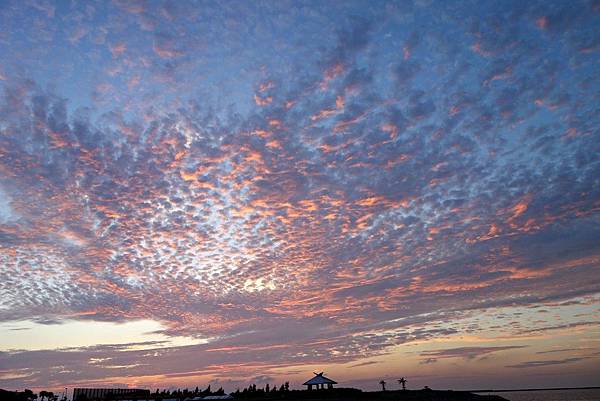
(382, 385)
(206, 391)
(287, 386)
(403, 382)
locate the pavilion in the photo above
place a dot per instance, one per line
(320, 380)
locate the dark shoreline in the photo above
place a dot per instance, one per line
(351, 394)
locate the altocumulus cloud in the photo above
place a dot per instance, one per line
(317, 188)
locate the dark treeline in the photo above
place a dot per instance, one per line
(186, 393)
(252, 391)
(28, 395)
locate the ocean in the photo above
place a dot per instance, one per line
(557, 395)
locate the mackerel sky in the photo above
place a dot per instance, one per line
(236, 192)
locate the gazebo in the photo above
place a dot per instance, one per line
(319, 380)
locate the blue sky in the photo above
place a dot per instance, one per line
(253, 190)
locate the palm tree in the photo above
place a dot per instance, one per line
(382, 385)
(403, 382)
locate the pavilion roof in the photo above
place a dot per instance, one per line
(320, 379)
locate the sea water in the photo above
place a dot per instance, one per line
(557, 395)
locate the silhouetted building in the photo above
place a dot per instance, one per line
(108, 393)
(320, 380)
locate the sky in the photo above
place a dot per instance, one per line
(246, 192)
